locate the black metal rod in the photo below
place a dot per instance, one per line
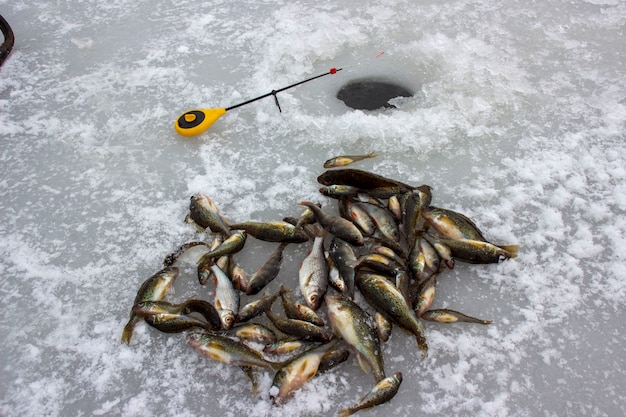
(274, 92)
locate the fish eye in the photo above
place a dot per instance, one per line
(313, 298)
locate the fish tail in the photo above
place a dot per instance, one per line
(372, 154)
(422, 345)
(345, 412)
(511, 249)
(253, 376)
(127, 333)
(283, 290)
(468, 319)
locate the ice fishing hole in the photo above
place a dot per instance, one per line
(371, 94)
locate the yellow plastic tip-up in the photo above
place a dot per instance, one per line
(194, 122)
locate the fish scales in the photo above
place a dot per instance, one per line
(353, 324)
(313, 274)
(226, 298)
(388, 300)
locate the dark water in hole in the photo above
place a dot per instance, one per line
(371, 94)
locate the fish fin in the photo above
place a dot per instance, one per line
(253, 376)
(422, 345)
(127, 333)
(308, 279)
(365, 366)
(346, 412)
(511, 249)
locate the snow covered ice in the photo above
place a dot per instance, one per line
(518, 121)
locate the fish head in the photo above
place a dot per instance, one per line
(204, 201)
(397, 377)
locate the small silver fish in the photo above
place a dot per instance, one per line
(359, 216)
(233, 244)
(343, 257)
(300, 328)
(382, 392)
(450, 316)
(343, 160)
(252, 332)
(284, 347)
(452, 224)
(226, 298)
(225, 350)
(355, 326)
(383, 219)
(425, 295)
(297, 372)
(256, 307)
(388, 300)
(267, 271)
(336, 225)
(205, 213)
(479, 252)
(154, 288)
(273, 231)
(442, 249)
(175, 323)
(313, 274)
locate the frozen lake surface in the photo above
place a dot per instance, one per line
(518, 121)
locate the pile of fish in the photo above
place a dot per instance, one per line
(371, 266)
